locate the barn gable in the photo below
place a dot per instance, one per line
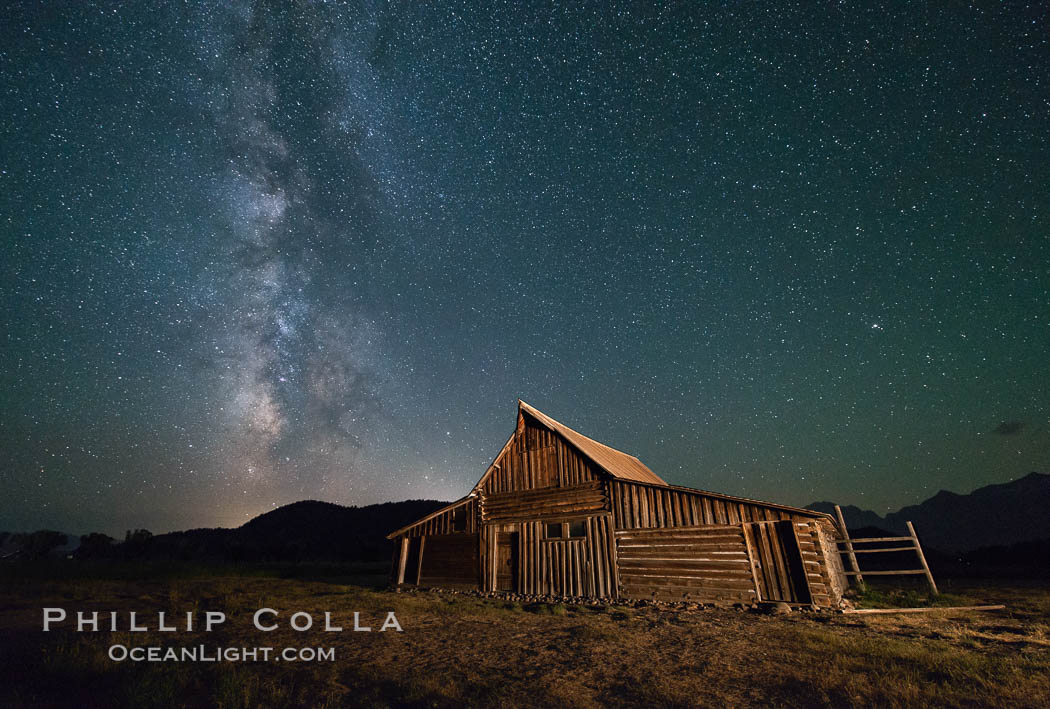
(615, 463)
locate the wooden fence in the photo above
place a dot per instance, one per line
(852, 550)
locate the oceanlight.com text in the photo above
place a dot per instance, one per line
(205, 653)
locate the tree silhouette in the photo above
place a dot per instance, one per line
(38, 544)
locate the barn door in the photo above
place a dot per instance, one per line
(777, 562)
(507, 561)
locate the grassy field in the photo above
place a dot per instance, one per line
(458, 650)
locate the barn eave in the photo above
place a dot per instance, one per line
(432, 515)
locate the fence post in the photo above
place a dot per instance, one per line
(849, 548)
(922, 558)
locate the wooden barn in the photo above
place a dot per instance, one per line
(560, 514)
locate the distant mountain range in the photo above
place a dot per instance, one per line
(994, 515)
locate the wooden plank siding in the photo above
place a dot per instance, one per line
(643, 506)
(449, 561)
(698, 563)
(780, 571)
(537, 458)
(583, 566)
(444, 523)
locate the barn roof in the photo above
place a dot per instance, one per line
(626, 467)
(616, 463)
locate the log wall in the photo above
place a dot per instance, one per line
(545, 504)
(820, 571)
(831, 558)
(699, 563)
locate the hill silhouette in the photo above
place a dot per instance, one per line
(302, 531)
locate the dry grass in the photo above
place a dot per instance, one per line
(464, 651)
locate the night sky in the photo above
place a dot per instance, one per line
(283, 251)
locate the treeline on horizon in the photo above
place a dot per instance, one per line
(302, 531)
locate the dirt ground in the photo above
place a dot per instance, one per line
(460, 650)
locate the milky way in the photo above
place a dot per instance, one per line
(265, 252)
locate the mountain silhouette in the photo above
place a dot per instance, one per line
(994, 515)
(855, 516)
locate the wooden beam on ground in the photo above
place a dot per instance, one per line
(933, 609)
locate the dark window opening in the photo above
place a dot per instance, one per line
(566, 530)
(459, 519)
